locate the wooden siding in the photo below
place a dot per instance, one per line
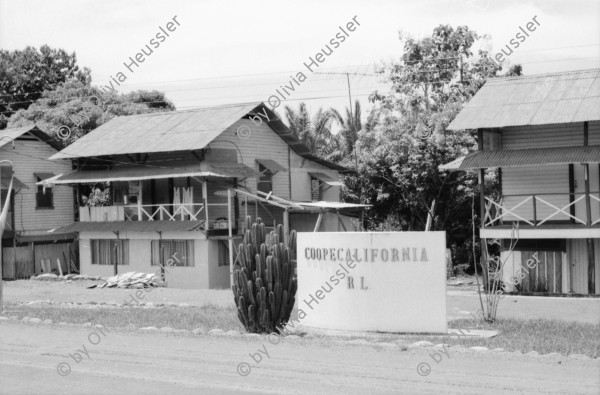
(542, 136)
(262, 143)
(535, 180)
(30, 156)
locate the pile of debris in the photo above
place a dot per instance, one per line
(129, 280)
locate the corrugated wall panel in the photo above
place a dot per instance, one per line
(594, 133)
(542, 136)
(31, 157)
(539, 181)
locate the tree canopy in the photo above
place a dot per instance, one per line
(48, 88)
(25, 74)
(74, 109)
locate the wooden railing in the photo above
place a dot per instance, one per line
(538, 210)
(162, 212)
(144, 212)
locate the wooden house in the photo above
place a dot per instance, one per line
(27, 247)
(542, 133)
(182, 183)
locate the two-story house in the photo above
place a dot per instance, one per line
(542, 133)
(27, 247)
(181, 184)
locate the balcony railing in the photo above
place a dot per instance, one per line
(144, 212)
(538, 210)
(162, 212)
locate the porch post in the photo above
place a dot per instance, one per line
(230, 237)
(140, 201)
(205, 199)
(319, 219)
(286, 226)
(591, 261)
(483, 260)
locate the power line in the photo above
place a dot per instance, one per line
(319, 72)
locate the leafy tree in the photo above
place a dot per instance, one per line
(74, 109)
(398, 168)
(25, 74)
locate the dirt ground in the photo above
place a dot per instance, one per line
(158, 363)
(72, 359)
(461, 301)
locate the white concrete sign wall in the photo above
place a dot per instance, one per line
(390, 282)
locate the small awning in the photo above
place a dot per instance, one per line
(526, 157)
(131, 226)
(17, 184)
(5, 174)
(44, 176)
(226, 170)
(273, 166)
(326, 179)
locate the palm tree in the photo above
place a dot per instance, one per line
(315, 132)
(350, 126)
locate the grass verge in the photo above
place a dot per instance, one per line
(543, 336)
(207, 317)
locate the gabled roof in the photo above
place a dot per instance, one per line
(567, 97)
(10, 134)
(176, 131)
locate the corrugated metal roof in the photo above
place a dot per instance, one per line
(526, 157)
(227, 170)
(131, 226)
(157, 132)
(176, 131)
(568, 97)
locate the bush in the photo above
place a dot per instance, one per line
(264, 285)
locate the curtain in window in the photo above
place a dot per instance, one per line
(173, 252)
(105, 252)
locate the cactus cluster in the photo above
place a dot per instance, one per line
(264, 284)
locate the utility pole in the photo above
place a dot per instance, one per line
(351, 112)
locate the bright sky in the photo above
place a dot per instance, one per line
(241, 51)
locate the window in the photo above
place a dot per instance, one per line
(265, 181)
(43, 197)
(223, 253)
(315, 190)
(107, 252)
(172, 253)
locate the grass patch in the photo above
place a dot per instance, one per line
(543, 336)
(208, 316)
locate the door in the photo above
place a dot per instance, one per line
(580, 207)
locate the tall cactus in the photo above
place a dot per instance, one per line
(264, 284)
